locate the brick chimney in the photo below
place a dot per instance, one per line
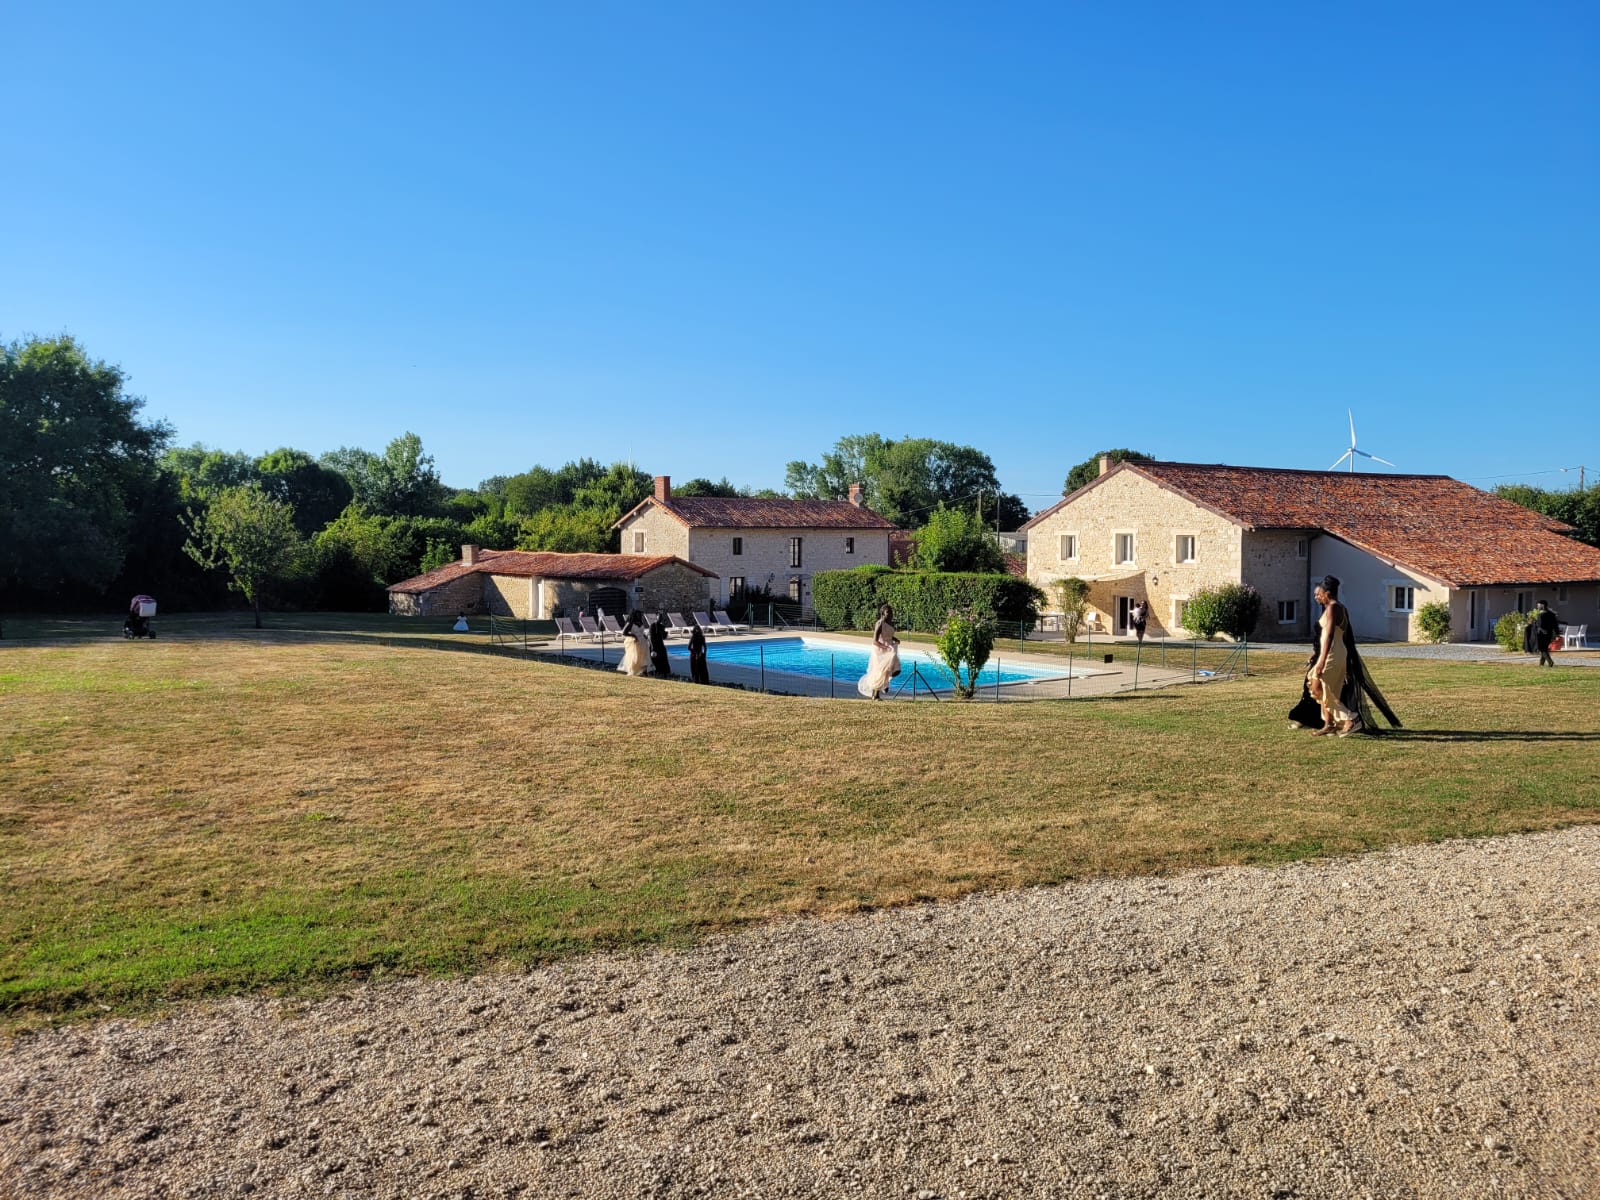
(855, 494)
(1105, 463)
(469, 556)
(663, 488)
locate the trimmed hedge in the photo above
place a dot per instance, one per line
(922, 600)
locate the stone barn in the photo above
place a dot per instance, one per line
(538, 585)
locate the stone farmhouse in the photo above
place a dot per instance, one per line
(1159, 531)
(536, 585)
(752, 543)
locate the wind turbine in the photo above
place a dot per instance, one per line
(1352, 452)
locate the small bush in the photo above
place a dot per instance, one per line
(966, 642)
(1433, 621)
(1073, 594)
(1233, 609)
(1508, 631)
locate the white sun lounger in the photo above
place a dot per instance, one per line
(677, 625)
(707, 624)
(590, 626)
(727, 625)
(609, 624)
(566, 628)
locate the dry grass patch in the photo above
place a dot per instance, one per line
(198, 816)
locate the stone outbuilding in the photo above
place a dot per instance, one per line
(754, 543)
(537, 585)
(1159, 532)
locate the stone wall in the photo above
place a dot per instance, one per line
(510, 596)
(674, 587)
(463, 594)
(663, 534)
(1129, 503)
(1272, 565)
(766, 552)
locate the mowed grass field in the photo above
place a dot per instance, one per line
(342, 798)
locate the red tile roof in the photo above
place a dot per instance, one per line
(746, 512)
(1432, 524)
(526, 564)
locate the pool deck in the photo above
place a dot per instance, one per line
(1108, 679)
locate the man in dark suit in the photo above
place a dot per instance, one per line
(1545, 627)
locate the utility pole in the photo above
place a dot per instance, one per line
(1580, 470)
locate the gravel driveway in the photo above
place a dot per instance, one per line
(1422, 1022)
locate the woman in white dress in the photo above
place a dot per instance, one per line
(884, 662)
(635, 645)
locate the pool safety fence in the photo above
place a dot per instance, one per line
(1205, 661)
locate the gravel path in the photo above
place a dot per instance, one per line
(1422, 1022)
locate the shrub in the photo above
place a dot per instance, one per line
(966, 642)
(1073, 594)
(1508, 631)
(847, 599)
(1433, 621)
(921, 599)
(1233, 608)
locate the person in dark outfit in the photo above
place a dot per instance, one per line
(1545, 627)
(1138, 615)
(697, 656)
(659, 663)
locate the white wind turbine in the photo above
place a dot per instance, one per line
(1352, 452)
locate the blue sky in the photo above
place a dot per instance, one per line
(713, 238)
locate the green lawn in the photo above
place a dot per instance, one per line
(343, 797)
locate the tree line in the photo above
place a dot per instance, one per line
(97, 502)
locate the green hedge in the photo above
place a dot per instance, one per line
(922, 600)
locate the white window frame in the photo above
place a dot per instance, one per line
(1061, 546)
(849, 545)
(1302, 548)
(1133, 547)
(1177, 548)
(1394, 586)
(1177, 612)
(1294, 612)
(638, 541)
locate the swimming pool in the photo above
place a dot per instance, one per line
(815, 658)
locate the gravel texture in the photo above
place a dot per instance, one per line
(1421, 1022)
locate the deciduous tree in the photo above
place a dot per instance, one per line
(74, 457)
(250, 533)
(1089, 469)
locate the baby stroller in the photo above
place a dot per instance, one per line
(137, 623)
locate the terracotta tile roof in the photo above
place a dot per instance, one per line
(526, 564)
(744, 512)
(1432, 524)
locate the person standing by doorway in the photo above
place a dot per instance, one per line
(1545, 627)
(1138, 615)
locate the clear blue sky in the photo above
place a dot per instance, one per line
(712, 238)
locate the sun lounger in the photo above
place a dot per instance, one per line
(566, 628)
(651, 618)
(729, 626)
(609, 624)
(677, 626)
(706, 624)
(590, 626)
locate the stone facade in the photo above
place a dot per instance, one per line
(1156, 518)
(764, 554)
(459, 595)
(671, 588)
(1277, 563)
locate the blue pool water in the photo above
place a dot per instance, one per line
(805, 656)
